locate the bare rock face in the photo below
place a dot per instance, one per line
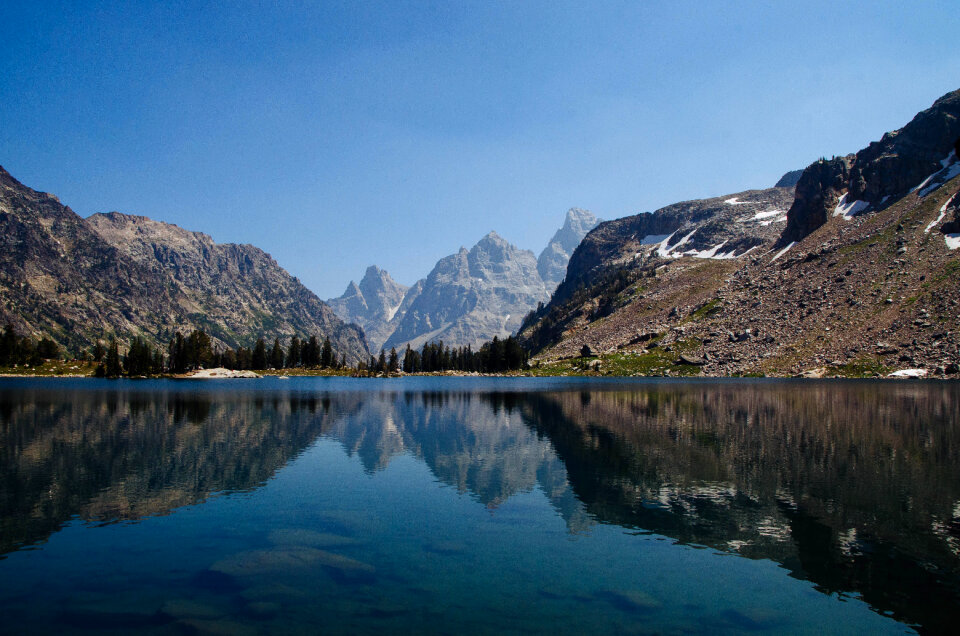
(79, 281)
(817, 192)
(553, 260)
(718, 228)
(472, 296)
(374, 305)
(881, 173)
(789, 180)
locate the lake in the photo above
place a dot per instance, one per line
(479, 505)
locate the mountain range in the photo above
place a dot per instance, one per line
(853, 270)
(79, 281)
(846, 267)
(468, 297)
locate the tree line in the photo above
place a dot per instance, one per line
(495, 356)
(18, 350)
(195, 351)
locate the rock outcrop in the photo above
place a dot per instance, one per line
(81, 280)
(881, 173)
(718, 228)
(789, 180)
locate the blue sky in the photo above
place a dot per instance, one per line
(338, 135)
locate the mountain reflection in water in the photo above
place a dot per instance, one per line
(853, 486)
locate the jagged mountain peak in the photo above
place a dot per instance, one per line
(372, 304)
(579, 218)
(552, 262)
(374, 272)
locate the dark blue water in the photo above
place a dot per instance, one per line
(454, 505)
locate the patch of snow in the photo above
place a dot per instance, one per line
(849, 210)
(779, 219)
(783, 251)
(651, 239)
(950, 168)
(734, 201)
(710, 253)
(943, 212)
(766, 215)
(666, 251)
(908, 373)
(953, 240)
(393, 311)
(945, 175)
(925, 181)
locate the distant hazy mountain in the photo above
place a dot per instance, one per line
(473, 295)
(552, 263)
(373, 305)
(468, 298)
(78, 281)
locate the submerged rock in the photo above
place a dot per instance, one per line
(188, 608)
(216, 627)
(632, 600)
(285, 559)
(310, 538)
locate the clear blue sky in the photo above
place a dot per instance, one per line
(346, 134)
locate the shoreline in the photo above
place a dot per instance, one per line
(293, 373)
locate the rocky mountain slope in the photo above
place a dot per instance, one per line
(862, 279)
(79, 281)
(462, 307)
(552, 262)
(473, 295)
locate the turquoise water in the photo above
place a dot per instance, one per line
(456, 505)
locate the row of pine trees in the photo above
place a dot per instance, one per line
(495, 356)
(195, 351)
(18, 350)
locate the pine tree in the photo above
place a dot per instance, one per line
(8, 347)
(294, 353)
(112, 368)
(178, 354)
(311, 354)
(393, 365)
(199, 351)
(276, 355)
(326, 355)
(259, 360)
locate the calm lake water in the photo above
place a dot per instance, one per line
(457, 505)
